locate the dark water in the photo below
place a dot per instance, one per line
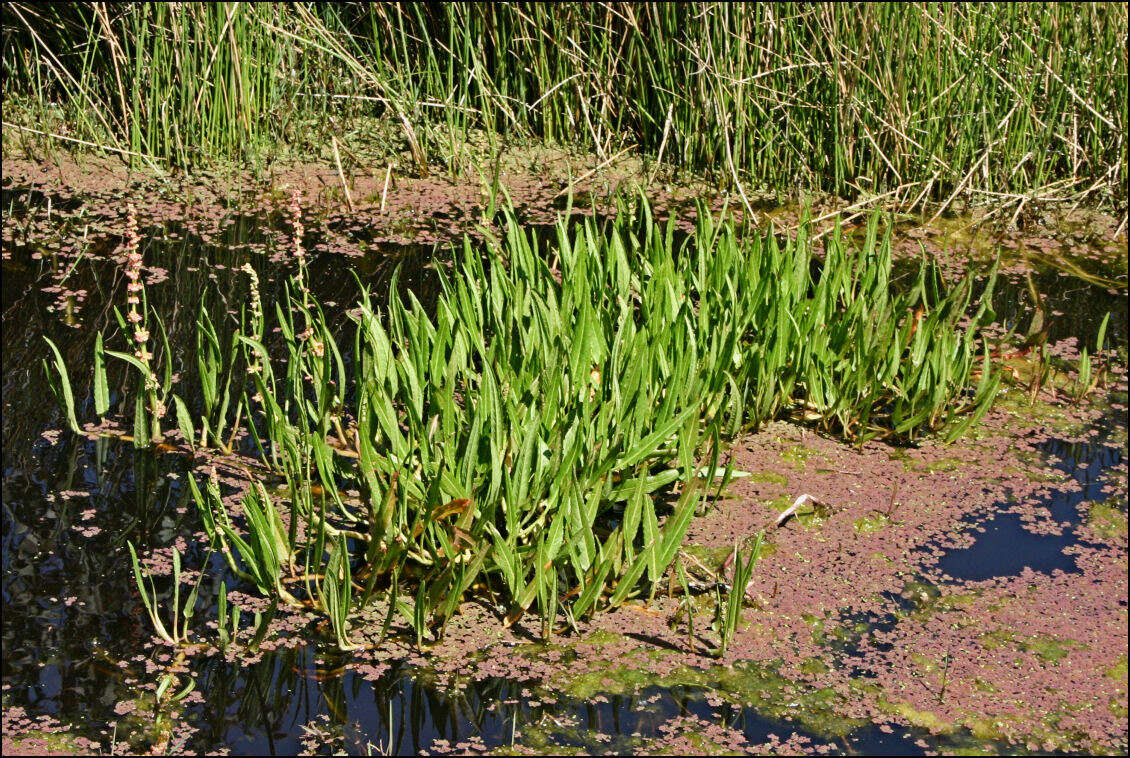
(1074, 308)
(402, 713)
(262, 710)
(1005, 547)
(72, 613)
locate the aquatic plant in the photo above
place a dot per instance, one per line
(215, 364)
(60, 384)
(546, 432)
(163, 686)
(728, 612)
(152, 393)
(556, 390)
(227, 621)
(294, 209)
(179, 629)
(686, 603)
(1084, 383)
(148, 401)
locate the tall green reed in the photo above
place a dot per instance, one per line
(920, 102)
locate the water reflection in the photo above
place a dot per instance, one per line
(1004, 547)
(73, 625)
(288, 701)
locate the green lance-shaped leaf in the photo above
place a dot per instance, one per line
(222, 615)
(190, 603)
(163, 687)
(149, 602)
(63, 390)
(133, 361)
(184, 421)
(1100, 340)
(263, 624)
(140, 422)
(101, 388)
(166, 357)
(337, 593)
(743, 571)
(187, 689)
(420, 614)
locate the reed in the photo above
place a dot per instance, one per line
(922, 102)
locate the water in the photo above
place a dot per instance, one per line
(402, 713)
(1004, 547)
(263, 709)
(71, 612)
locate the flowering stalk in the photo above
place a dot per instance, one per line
(295, 209)
(134, 288)
(309, 337)
(306, 336)
(257, 323)
(256, 315)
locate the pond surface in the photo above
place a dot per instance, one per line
(1004, 547)
(72, 616)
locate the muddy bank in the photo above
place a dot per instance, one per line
(386, 205)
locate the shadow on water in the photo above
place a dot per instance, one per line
(1004, 546)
